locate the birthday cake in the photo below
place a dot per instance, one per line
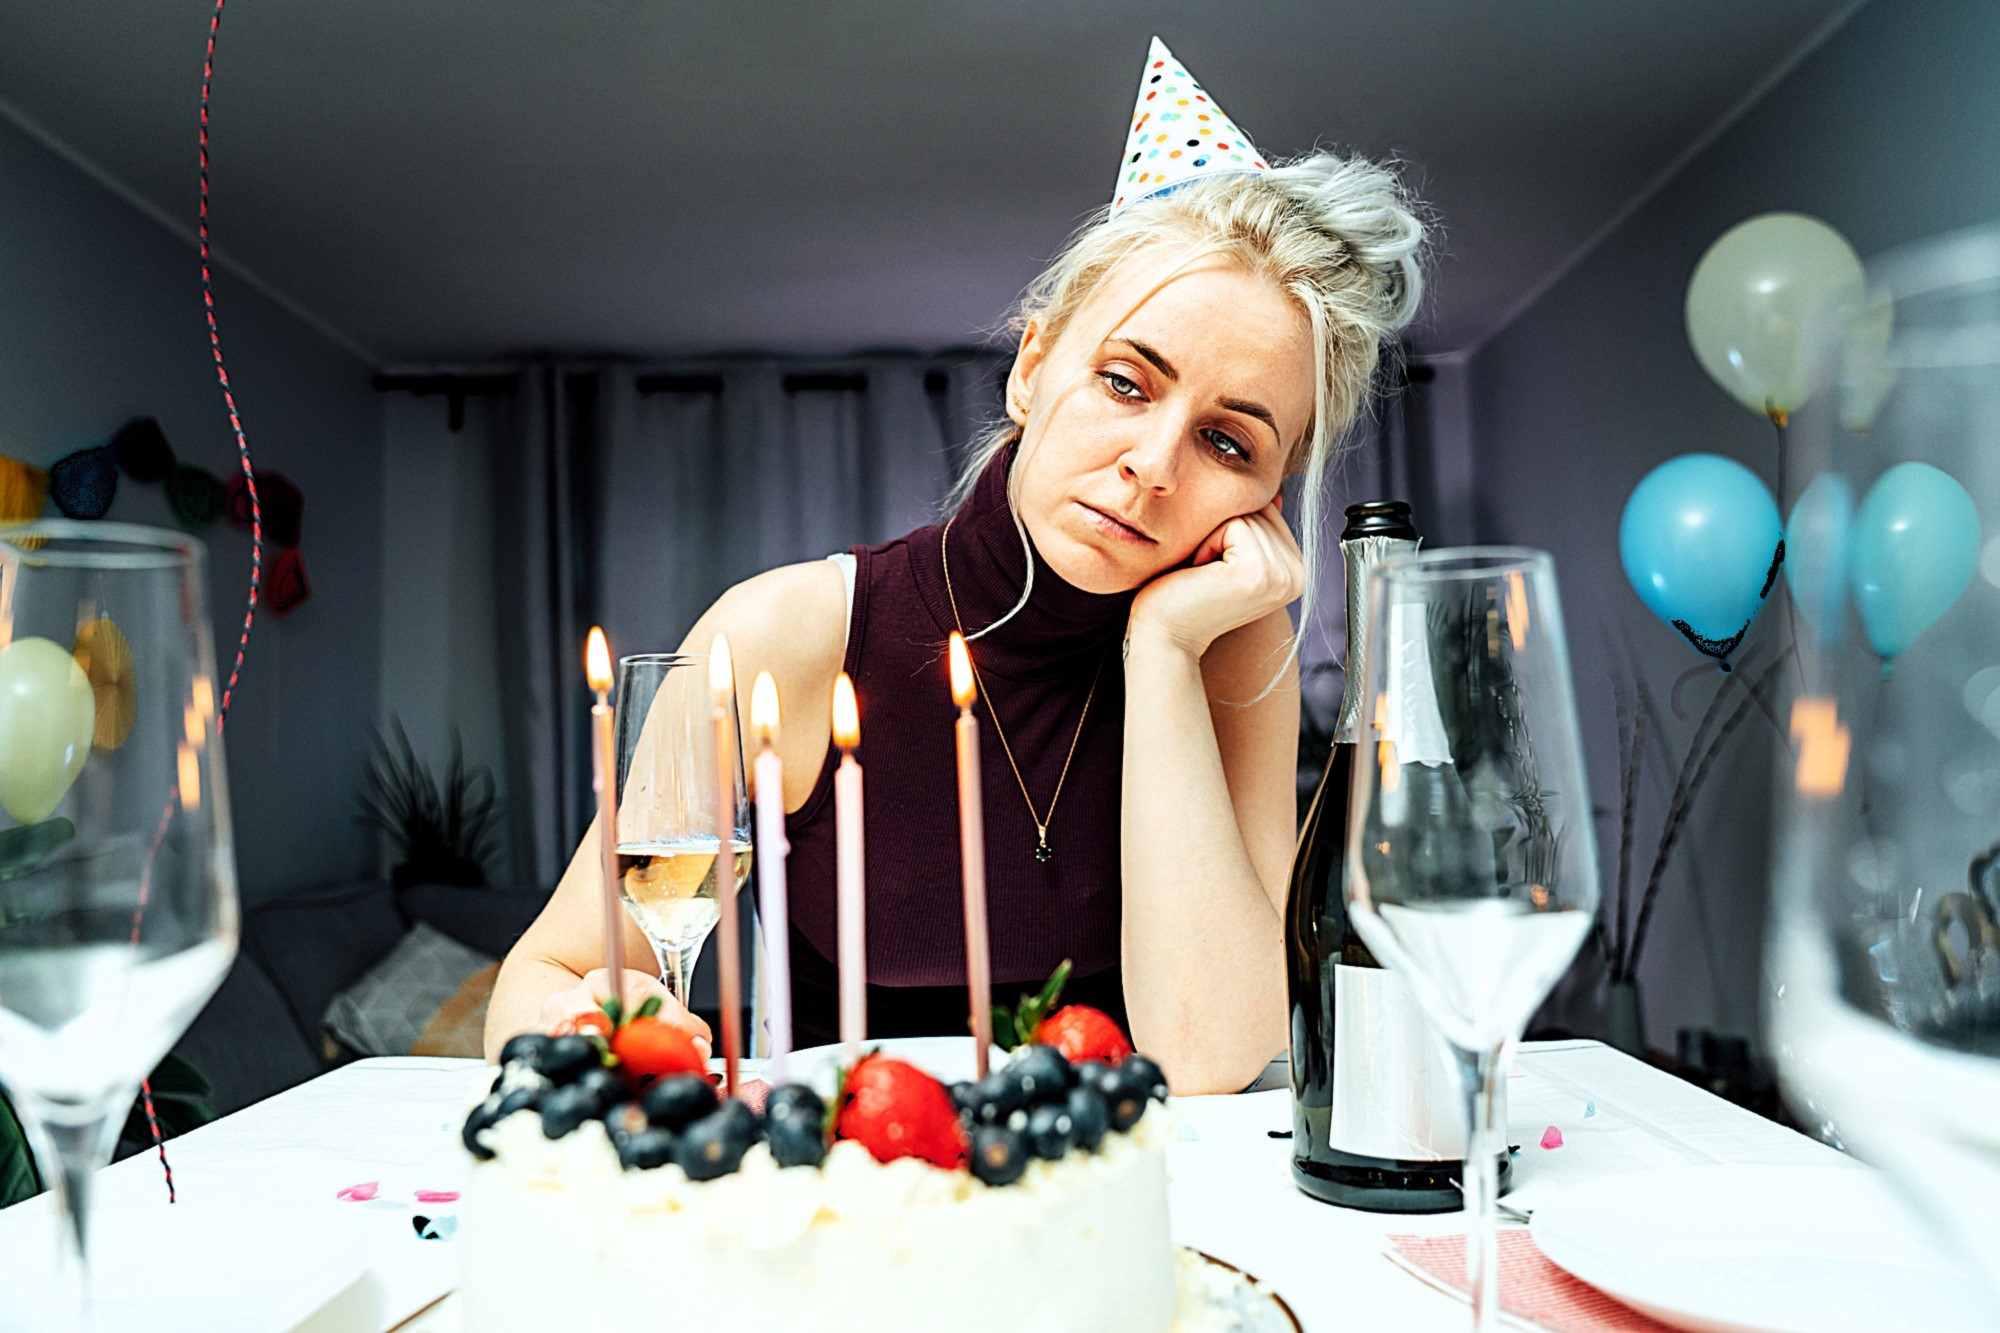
(1032, 1199)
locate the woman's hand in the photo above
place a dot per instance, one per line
(1244, 570)
(562, 1009)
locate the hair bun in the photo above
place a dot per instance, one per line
(1367, 207)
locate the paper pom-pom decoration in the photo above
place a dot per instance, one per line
(289, 586)
(106, 659)
(23, 491)
(282, 504)
(196, 497)
(84, 484)
(142, 450)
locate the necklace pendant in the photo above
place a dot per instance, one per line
(1042, 849)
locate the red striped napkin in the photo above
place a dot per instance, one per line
(1534, 1293)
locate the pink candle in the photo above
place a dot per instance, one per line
(604, 781)
(852, 914)
(972, 854)
(721, 684)
(772, 848)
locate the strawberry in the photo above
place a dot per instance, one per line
(1082, 1033)
(894, 1109)
(649, 1048)
(1077, 1030)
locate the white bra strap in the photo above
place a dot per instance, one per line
(845, 560)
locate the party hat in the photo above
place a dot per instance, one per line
(1178, 134)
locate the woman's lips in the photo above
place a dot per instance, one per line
(1114, 527)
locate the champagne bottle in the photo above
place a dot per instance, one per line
(1376, 1110)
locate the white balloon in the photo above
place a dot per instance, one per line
(47, 714)
(1752, 297)
(1867, 371)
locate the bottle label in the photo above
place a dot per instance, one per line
(1395, 1087)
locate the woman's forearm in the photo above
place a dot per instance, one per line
(1203, 943)
(527, 979)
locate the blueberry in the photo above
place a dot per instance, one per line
(714, 1145)
(1149, 1075)
(530, 1048)
(677, 1102)
(647, 1149)
(482, 1118)
(998, 1096)
(965, 1098)
(742, 1120)
(566, 1057)
(999, 1155)
(1126, 1095)
(1092, 1073)
(626, 1120)
(520, 1099)
(1091, 1116)
(566, 1108)
(796, 1139)
(795, 1099)
(1041, 1072)
(605, 1086)
(1051, 1131)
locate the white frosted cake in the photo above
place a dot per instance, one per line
(1035, 1200)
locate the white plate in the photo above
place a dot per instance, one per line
(187, 1267)
(1760, 1249)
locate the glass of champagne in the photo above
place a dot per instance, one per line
(117, 878)
(667, 842)
(1471, 864)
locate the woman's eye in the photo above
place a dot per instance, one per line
(1120, 386)
(1227, 446)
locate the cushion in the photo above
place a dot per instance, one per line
(317, 942)
(488, 918)
(388, 1009)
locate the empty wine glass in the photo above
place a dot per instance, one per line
(117, 878)
(1472, 868)
(667, 844)
(1884, 949)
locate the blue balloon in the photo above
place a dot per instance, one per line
(1914, 546)
(1816, 546)
(1701, 543)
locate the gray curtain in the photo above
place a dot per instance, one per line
(633, 497)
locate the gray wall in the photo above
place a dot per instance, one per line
(101, 319)
(1886, 132)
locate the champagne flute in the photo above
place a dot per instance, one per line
(667, 848)
(1472, 868)
(117, 880)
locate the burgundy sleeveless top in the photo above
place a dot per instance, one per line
(1039, 667)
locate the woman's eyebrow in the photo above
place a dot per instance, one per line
(1166, 367)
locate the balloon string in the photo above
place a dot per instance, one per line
(256, 540)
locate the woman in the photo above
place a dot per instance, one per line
(1119, 560)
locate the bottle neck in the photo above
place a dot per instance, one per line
(1360, 554)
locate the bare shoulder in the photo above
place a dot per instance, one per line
(789, 620)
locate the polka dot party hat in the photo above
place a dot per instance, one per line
(1178, 134)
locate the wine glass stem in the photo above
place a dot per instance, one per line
(676, 974)
(76, 1150)
(1479, 1073)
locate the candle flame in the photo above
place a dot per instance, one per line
(721, 671)
(1823, 743)
(846, 713)
(597, 661)
(764, 709)
(961, 671)
(190, 779)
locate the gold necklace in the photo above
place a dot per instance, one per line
(1042, 849)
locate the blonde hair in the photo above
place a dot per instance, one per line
(1341, 236)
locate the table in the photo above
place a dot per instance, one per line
(395, 1121)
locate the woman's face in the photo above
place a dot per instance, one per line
(1153, 428)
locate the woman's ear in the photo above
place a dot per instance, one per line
(1021, 379)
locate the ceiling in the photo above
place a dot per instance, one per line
(460, 180)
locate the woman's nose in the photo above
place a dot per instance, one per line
(1153, 460)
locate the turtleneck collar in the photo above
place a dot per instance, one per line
(1060, 623)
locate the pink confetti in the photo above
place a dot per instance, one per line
(361, 1193)
(437, 1196)
(1552, 1137)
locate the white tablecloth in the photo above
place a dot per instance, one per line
(281, 1163)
